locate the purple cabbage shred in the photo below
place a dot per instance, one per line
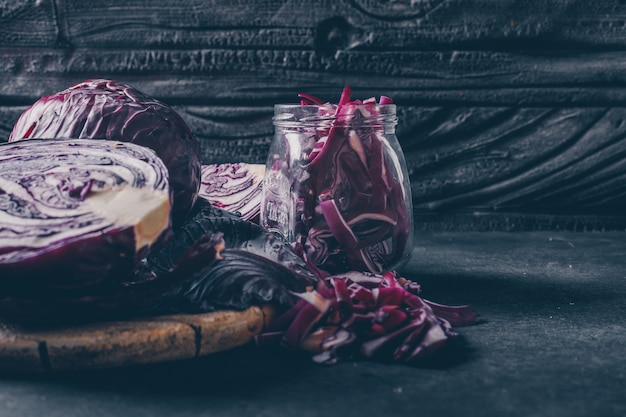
(368, 316)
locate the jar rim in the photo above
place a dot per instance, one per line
(310, 114)
(391, 106)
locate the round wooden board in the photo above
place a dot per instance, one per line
(132, 342)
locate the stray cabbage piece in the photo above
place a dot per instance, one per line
(107, 109)
(256, 267)
(77, 213)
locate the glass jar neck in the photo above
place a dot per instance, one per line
(295, 116)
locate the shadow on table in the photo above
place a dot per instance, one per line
(241, 370)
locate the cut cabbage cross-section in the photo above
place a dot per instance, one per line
(112, 110)
(76, 213)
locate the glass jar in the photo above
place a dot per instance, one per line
(336, 186)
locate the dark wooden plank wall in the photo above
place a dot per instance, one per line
(512, 113)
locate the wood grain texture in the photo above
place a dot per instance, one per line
(131, 342)
(506, 107)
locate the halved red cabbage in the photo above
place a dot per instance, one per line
(77, 213)
(235, 187)
(133, 294)
(106, 109)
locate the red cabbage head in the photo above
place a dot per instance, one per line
(106, 109)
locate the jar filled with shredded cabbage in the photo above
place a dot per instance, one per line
(336, 184)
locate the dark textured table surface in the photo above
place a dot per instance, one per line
(551, 342)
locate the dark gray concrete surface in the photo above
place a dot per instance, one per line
(551, 342)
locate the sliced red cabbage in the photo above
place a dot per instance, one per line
(235, 187)
(352, 210)
(106, 109)
(77, 213)
(365, 315)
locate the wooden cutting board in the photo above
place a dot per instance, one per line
(132, 342)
